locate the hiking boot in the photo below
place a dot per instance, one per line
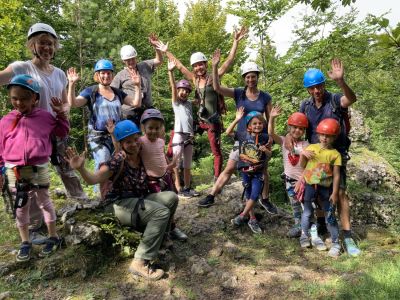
(335, 250)
(238, 221)
(268, 206)
(254, 226)
(294, 232)
(318, 243)
(177, 234)
(51, 246)
(305, 241)
(351, 247)
(141, 268)
(207, 201)
(24, 252)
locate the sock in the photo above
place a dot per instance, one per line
(347, 234)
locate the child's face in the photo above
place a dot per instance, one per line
(183, 94)
(296, 132)
(22, 99)
(153, 129)
(326, 140)
(131, 144)
(256, 125)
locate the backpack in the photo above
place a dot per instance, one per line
(341, 113)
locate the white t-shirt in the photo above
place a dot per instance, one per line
(183, 116)
(51, 85)
(291, 171)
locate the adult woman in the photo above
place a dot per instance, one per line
(43, 43)
(129, 199)
(104, 103)
(252, 99)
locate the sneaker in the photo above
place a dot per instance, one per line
(51, 246)
(268, 206)
(351, 247)
(193, 192)
(318, 243)
(185, 193)
(24, 252)
(177, 234)
(141, 268)
(294, 232)
(207, 201)
(335, 250)
(305, 241)
(238, 221)
(254, 226)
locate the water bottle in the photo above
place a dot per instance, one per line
(314, 231)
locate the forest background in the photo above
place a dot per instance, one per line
(90, 30)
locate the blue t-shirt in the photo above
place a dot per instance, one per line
(316, 115)
(103, 109)
(250, 105)
(249, 155)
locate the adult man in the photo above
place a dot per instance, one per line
(209, 100)
(145, 68)
(321, 105)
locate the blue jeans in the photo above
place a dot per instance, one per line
(253, 184)
(311, 193)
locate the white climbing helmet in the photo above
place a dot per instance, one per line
(41, 28)
(197, 57)
(249, 67)
(128, 52)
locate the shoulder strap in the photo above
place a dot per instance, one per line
(118, 92)
(94, 89)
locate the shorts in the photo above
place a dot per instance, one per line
(181, 150)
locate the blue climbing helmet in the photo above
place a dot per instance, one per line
(25, 81)
(125, 128)
(313, 77)
(104, 64)
(251, 115)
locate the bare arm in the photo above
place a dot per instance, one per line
(77, 162)
(239, 115)
(337, 74)
(275, 112)
(6, 75)
(336, 181)
(237, 36)
(172, 84)
(74, 101)
(188, 75)
(136, 100)
(228, 92)
(159, 47)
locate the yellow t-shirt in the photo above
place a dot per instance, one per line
(319, 170)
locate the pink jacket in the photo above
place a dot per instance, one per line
(29, 143)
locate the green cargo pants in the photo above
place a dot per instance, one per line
(155, 219)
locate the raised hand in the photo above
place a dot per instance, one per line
(75, 161)
(337, 71)
(157, 44)
(216, 57)
(110, 125)
(275, 111)
(72, 75)
(171, 64)
(240, 34)
(135, 77)
(239, 113)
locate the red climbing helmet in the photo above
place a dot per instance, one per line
(298, 119)
(329, 127)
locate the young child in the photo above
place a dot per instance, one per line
(154, 159)
(182, 142)
(322, 174)
(25, 147)
(253, 155)
(297, 123)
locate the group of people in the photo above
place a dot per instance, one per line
(139, 184)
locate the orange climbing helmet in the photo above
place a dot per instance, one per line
(329, 127)
(298, 119)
